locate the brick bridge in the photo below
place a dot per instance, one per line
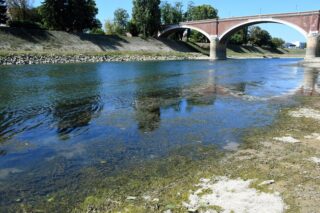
(218, 31)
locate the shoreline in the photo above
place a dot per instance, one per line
(32, 58)
(7, 59)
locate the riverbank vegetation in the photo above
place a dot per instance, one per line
(81, 18)
(249, 51)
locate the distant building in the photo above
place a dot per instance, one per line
(289, 45)
(300, 45)
(295, 45)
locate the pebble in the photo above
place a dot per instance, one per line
(25, 59)
(155, 200)
(131, 198)
(267, 182)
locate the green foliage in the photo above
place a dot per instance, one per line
(259, 37)
(146, 15)
(277, 42)
(71, 15)
(171, 14)
(132, 28)
(97, 31)
(19, 9)
(256, 36)
(24, 15)
(110, 28)
(34, 15)
(196, 36)
(3, 12)
(200, 12)
(24, 24)
(240, 37)
(121, 17)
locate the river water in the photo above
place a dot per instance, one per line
(58, 120)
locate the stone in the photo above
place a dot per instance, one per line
(286, 139)
(131, 198)
(267, 182)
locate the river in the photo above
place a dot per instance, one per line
(57, 121)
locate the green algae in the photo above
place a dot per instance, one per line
(168, 182)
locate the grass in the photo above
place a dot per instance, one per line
(251, 52)
(109, 53)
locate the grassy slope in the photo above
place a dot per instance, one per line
(21, 41)
(247, 51)
(15, 40)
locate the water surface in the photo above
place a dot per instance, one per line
(58, 120)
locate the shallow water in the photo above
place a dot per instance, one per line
(58, 120)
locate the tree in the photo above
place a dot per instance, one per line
(70, 15)
(3, 12)
(259, 37)
(146, 15)
(56, 14)
(200, 12)
(121, 17)
(110, 27)
(132, 28)
(171, 14)
(97, 31)
(240, 37)
(277, 42)
(19, 9)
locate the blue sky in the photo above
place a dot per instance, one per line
(231, 8)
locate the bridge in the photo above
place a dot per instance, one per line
(218, 31)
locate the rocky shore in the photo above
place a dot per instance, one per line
(24, 59)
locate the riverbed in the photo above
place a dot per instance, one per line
(67, 129)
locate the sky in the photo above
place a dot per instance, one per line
(230, 8)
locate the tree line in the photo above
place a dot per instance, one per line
(147, 16)
(80, 15)
(255, 36)
(65, 15)
(146, 19)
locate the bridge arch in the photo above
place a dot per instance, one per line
(174, 28)
(225, 35)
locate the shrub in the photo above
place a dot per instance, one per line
(25, 24)
(97, 31)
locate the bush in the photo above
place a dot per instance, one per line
(277, 43)
(97, 31)
(25, 24)
(132, 28)
(110, 28)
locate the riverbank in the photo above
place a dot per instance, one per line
(23, 58)
(29, 46)
(276, 169)
(240, 52)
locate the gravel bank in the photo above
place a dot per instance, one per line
(23, 59)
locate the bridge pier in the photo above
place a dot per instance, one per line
(313, 46)
(218, 50)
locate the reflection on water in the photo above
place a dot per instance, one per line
(148, 112)
(57, 122)
(75, 114)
